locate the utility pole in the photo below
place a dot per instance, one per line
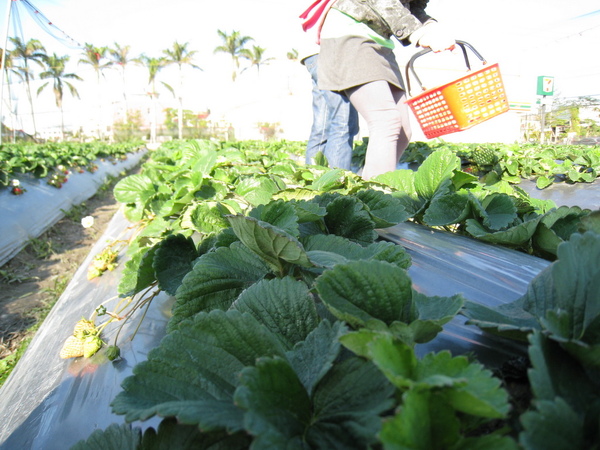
(543, 121)
(3, 64)
(545, 87)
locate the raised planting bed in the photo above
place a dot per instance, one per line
(28, 215)
(52, 403)
(279, 306)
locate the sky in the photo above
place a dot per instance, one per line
(528, 38)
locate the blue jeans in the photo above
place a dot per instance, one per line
(335, 123)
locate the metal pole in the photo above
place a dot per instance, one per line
(542, 121)
(9, 5)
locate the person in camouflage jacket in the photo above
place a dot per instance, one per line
(357, 59)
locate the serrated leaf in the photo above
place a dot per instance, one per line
(466, 386)
(396, 359)
(329, 180)
(218, 345)
(424, 422)
(496, 210)
(279, 214)
(555, 373)
(205, 217)
(347, 404)
(403, 181)
(591, 222)
(509, 320)
(347, 217)
(133, 188)
(360, 291)
(543, 182)
(278, 408)
(256, 190)
(514, 236)
(500, 210)
(284, 306)
(115, 436)
(138, 273)
(308, 211)
(446, 210)
(272, 244)
(315, 356)
(385, 210)
(174, 435)
(566, 425)
(172, 260)
(216, 281)
(435, 170)
(381, 251)
(575, 280)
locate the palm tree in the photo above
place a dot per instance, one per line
(181, 56)
(55, 70)
(154, 65)
(233, 44)
(255, 56)
(292, 55)
(32, 50)
(120, 58)
(94, 56)
(7, 68)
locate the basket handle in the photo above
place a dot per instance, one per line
(410, 65)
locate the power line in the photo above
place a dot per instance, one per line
(49, 27)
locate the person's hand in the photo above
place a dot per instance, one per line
(435, 37)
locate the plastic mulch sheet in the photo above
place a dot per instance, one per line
(445, 264)
(584, 195)
(48, 403)
(27, 216)
(51, 403)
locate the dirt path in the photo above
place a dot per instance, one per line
(34, 279)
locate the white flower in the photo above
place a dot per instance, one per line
(87, 222)
(15, 182)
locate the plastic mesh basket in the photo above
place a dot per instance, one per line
(460, 104)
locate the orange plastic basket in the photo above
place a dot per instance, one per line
(460, 104)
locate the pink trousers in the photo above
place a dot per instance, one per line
(384, 109)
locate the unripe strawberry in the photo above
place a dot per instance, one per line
(91, 344)
(72, 348)
(84, 327)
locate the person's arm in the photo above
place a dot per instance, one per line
(431, 34)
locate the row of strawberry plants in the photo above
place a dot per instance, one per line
(294, 327)
(546, 164)
(55, 161)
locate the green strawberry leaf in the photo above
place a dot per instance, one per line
(360, 291)
(218, 345)
(314, 357)
(278, 213)
(385, 210)
(272, 244)
(173, 259)
(138, 273)
(424, 421)
(347, 217)
(216, 281)
(284, 306)
(436, 170)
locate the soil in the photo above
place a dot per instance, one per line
(33, 280)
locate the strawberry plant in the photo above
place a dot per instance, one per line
(295, 326)
(56, 160)
(440, 194)
(559, 316)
